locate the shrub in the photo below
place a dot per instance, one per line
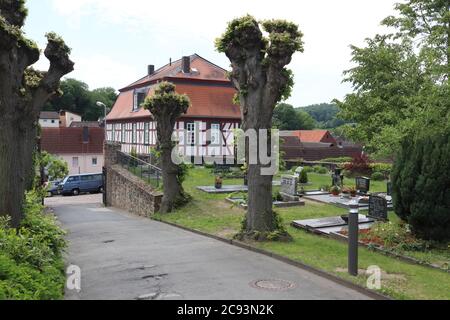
(338, 160)
(378, 176)
(421, 186)
(360, 165)
(308, 169)
(303, 177)
(384, 168)
(320, 170)
(31, 264)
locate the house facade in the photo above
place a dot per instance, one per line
(80, 148)
(208, 127)
(49, 119)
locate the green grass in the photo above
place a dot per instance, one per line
(211, 214)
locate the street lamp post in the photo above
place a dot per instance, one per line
(101, 104)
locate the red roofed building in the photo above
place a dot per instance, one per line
(206, 129)
(81, 148)
(315, 145)
(314, 136)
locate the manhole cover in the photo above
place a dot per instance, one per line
(273, 285)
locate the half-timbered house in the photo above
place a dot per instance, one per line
(208, 127)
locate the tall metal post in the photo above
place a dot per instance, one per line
(353, 231)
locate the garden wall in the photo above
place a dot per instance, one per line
(125, 190)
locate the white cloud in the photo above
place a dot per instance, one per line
(329, 26)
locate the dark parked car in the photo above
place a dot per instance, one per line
(77, 184)
(53, 188)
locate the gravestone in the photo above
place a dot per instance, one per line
(337, 179)
(378, 208)
(389, 188)
(363, 184)
(289, 185)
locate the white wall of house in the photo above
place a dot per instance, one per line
(142, 137)
(83, 163)
(49, 123)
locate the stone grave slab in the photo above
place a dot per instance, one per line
(224, 189)
(289, 185)
(228, 188)
(331, 225)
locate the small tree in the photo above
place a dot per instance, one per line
(23, 92)
(421, 186)
(167, 106)
(303, 177)
(259, 73)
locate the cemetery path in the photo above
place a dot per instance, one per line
(127, 257)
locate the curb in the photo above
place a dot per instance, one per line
(348, 284)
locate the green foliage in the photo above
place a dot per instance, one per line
(395, 236)
(276, 50)
(326, 115)
(320, 169)
(401, 79)
(308, 169)
(338, 160)
(52, 37)
(303, 177)
(285, 117)
(378, 176)
(31, 265)
(384, 168)
(57, 168)
(165, 97)
(76, 97)
(421, 185)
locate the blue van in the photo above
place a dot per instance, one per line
(76, 184)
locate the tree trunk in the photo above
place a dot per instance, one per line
(16, 148)
(173, 192)
(260, 215)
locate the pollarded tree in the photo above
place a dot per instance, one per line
(23, 92)
(167, 106)
(260, 75)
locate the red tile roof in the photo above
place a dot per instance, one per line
(70, 141)
(206, 102)
(201, 68)
(210, 91)
(317, 136)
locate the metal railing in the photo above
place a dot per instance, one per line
(146, 171)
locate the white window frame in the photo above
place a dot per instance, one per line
(96, 161)
(190, 133)
(216, 134)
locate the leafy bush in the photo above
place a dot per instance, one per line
(303, 177)
(320, 170)
(421, 186)
(338, 160)
(384, 168)
(378, 176)
(31, 264)
(360, 165)
(395, 236)
(308, 169)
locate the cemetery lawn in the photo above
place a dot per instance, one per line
(212, 214)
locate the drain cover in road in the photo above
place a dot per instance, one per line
(273, 285)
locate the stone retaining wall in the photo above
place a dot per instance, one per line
(125, 190)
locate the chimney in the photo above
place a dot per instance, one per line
(186, 64)
(85, 135)
(151, 70)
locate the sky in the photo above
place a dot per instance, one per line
(113, 41)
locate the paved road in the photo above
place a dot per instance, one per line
(126, 257)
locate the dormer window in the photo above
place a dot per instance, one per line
(139, 98)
